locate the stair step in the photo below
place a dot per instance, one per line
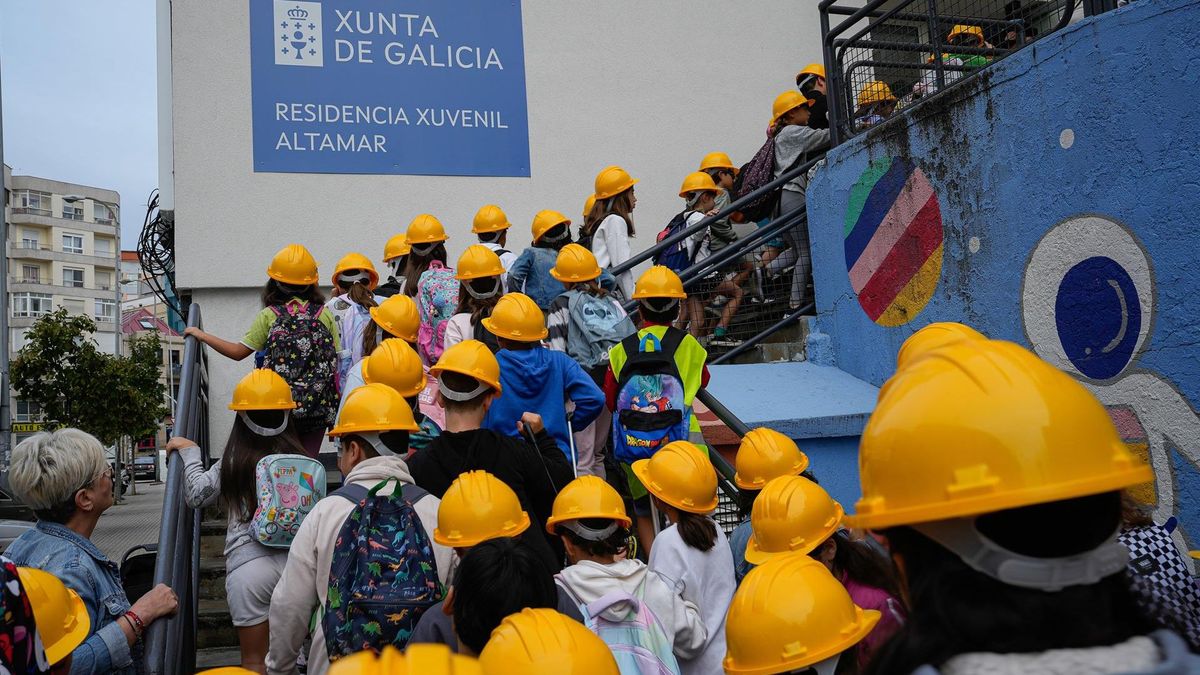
(212, 578)
(214, 627)
(218, 657)
(212, 527)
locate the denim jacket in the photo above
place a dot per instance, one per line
(76, 561)
(530, 275)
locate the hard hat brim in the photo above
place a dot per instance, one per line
(387, 326)
(295, 281)
(443, 540)
(490, 325)
(574, 278)
(867, 618)
(252, 407)
(74, 637)
(348, 429)
(438, 370)
(625, 521)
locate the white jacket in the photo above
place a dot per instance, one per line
(459, 328)
(611, 247)
(302, 588)
(589, 581)
(507, 258)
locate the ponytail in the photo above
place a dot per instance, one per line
(697, 531)
(361, 295)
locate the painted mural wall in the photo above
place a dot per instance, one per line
(1054, 200)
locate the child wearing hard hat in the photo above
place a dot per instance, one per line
(354, 282)
(373, 426)
(431, 283)
(589, 517)
(544, 642)
(395, 363)
(693, 553)
(481, 273)
(723, 172)
(811, 82)
(476, 508)
(262, 426)
(795, 143)
(530, 274)
(399, 317)
(43, 621)
(536, 379)
(469, 381)
(293, 314)
(700, 193)
(395, 256)
(792, 514)
(762, 455)
(609, 226)
(996, 481)
(585, 322)
(491, 225)
(792, 616)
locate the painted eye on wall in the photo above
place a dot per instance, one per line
(1087, 297)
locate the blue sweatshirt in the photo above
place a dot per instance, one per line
(540, 380)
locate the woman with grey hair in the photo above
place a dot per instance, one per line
(64, 477)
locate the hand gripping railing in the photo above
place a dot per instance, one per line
(171, 642)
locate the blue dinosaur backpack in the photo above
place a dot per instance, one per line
(383, 576)
(289, 486)
(651, 409)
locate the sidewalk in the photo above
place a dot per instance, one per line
(135, 521)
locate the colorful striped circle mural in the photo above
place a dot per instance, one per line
(893, 241)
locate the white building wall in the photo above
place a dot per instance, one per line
(649, 86)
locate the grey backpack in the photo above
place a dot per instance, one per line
(596, 324)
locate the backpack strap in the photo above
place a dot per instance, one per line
(353, 492)
(671, 339)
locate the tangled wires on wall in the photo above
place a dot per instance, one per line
(156, 253)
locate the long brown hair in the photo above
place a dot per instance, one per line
(697, 531)
(275, 293)
(477, 308)
(621, 205)
(239, 494)
(362, 295)
(591, 287)
(417, 264)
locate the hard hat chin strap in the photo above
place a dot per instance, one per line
(461, 395)
(485, 295)
(376, 442)
(348, 280)
(397, 269)
(265, 431)
(981, 554)
(826, 667)
(585, 532)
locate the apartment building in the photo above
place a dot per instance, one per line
(63, 245)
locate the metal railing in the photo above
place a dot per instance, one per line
(171, 643)
(881, 60)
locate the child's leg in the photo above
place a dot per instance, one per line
(601, 429)
(696, 311)
(253, 641)
(734, 292)
(248, 589)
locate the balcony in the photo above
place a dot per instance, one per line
(36, 251)
(46, 218)
(19, 284)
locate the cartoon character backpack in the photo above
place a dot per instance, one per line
(352, 318)
(300, 348)
(288, 488)
(383, 575)
(594, 326)
(633, 632)
(437, 300)
(650, 409)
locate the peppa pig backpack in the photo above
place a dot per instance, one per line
(288, 488)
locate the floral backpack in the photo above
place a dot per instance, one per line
(300, 348)
(289, 486)
(437, 300)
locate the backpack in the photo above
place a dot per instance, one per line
(437, 299)
(650, 409)
(594, 326)
(352, 318)
(676, 257)
(639, 642)
(383, 575)
(288, 488)
(1161, 580)
(485, 336)
(300, 348)
(756, 173)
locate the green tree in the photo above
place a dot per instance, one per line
(77, 385)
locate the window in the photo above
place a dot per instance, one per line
(104, 281)
(73, 305)
(106, 310)
(102, 247)
(72, 277)
(175, 357)
(102, 213)
(32, 201)
(72, 211)
(31, 274)
(27, 411)
(72, 243)
(30, 239)
(148, 325)
(32, 304)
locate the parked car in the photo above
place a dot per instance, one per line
(10, 507)
(145, 468)
(10, 530)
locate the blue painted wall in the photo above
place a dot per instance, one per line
(1068, 182)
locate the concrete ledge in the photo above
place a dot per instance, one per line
(799, 399)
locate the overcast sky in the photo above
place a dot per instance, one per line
(79, 91)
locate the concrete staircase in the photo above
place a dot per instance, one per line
(216, 638)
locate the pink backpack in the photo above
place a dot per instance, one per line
(437, 300)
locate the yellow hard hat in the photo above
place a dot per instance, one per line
(817, 69)
(765, 454)
(588, 204)
(396, 247)
(792, 514)
(612, 181)
(961, 29)
(717, 160)
(697, 180)
(680, 475)
(262, 389)
(544, 642)
(396, 364)
(417, 659)
(985, 426)
(587, 497)
(62, 618)
(875, 92)
(575, 264)
(786, 102)
(489, 218)
(545, 221)
(399, 316)
(425, 229)
(517, 317)
(934, 336)
(473, 359)
(293, 265)
(658, 282)
(235, 670)
(477, 262)
(476, 507)
(356, 261)
(373, 408)
(789, 614)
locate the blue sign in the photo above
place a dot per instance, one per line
(429, 87)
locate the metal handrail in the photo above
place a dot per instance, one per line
(768, 332)
(736, 205)
(170, 643)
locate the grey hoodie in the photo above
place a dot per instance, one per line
(1160, 653)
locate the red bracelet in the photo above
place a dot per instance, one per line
(140, 627)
